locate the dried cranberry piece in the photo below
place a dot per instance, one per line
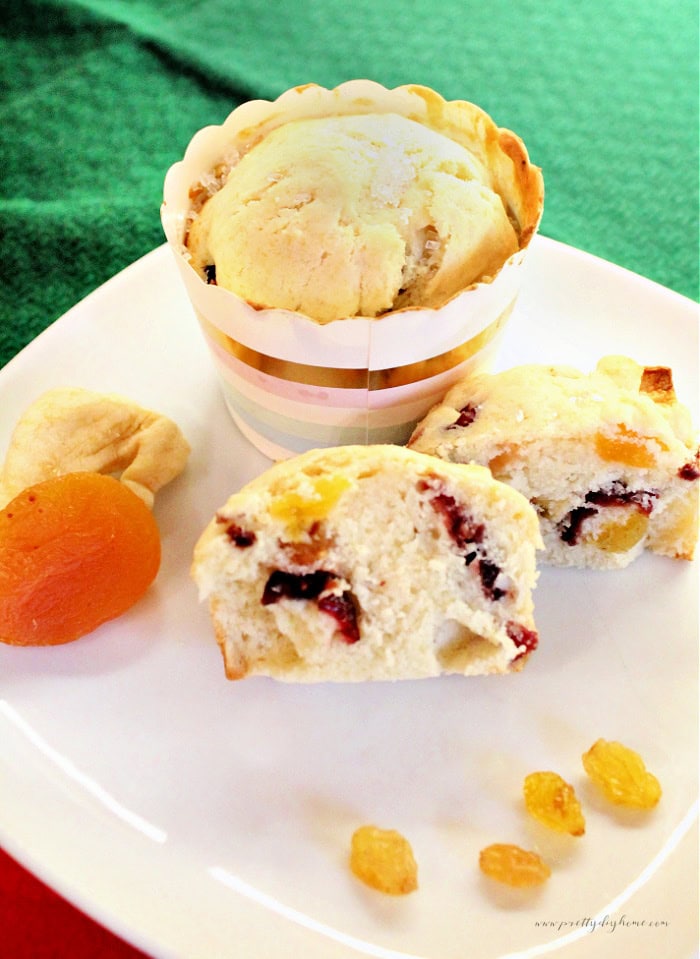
(691, 471)
(466, 533)
(460, 526)
(343, 609)
(570, 527)
(466, 417)
(281, 585)
(239, 536)
(617, 494)
(210, 273)
(489, 573)
(430, 482)
(522, 636)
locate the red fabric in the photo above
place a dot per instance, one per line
(37, 923)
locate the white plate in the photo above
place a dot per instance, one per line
(201, 818)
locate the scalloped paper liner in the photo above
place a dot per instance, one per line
(293, 384)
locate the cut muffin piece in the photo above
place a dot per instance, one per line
(609, 459)
(370, 562)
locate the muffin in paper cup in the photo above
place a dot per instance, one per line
(349, 254)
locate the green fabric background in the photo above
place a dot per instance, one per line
(99, 97)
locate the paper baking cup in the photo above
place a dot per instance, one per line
(292, 384)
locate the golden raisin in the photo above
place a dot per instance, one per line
(619, 536)
(553, 802)
(383, 859)
(513, 866)
(621, 774)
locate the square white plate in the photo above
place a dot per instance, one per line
(204, 819)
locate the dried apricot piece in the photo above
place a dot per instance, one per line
(553, 802)
(75, 551)
(383, 859)
(513, 866)
(657, 381)
(621, 774)
(503, 459)
(628, 447)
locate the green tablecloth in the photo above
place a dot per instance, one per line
(99, 97)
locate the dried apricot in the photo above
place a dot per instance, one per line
(75, 551)
(628, 447)
(513, 866)
(621, 774)
(383, 859)
(552, 801)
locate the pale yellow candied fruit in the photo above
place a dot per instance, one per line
(383, 859)
(72, 430)
(676, 533)
(299, 512)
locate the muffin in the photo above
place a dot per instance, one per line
(350, 253)
(370, 563)
(352, 215)
(609, 459)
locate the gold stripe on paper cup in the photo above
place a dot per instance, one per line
(355, 379)
(435, 365)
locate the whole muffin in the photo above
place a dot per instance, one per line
(352, 216)
(359, 208)
(349, 254)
